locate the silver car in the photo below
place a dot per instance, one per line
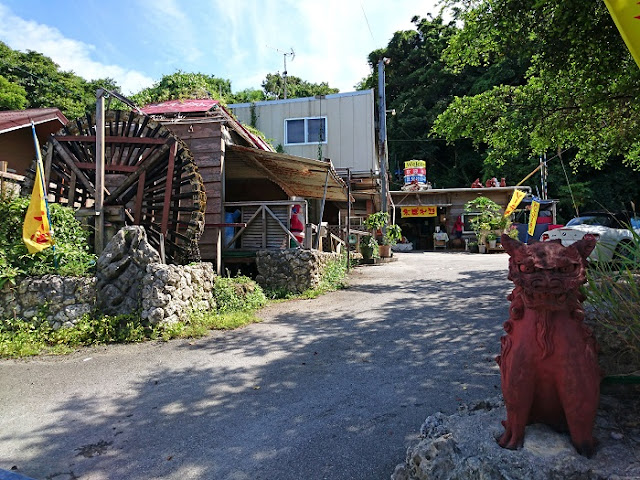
(617, 234)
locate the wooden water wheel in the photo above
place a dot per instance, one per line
(150, 179)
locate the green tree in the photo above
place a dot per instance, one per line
(12, 96)
(581, 88)
(419, 87)
(45, 85)
(248, 95)
(273, 87)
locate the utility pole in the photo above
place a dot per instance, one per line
(382, 132)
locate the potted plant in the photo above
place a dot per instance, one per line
(488, 219)
(389, 234)
(492, 238)
(368, 247)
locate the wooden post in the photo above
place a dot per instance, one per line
(99, 193)
(3, 169)
(324, 197)
(168, 187)
(348, 218)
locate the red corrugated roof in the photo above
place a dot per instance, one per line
(16, 119)
(181, 106)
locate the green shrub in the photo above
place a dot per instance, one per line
(71, 255)
(237, 293)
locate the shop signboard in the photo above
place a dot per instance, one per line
(419, 211)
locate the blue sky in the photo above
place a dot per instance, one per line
(135, 42)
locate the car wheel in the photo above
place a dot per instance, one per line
(627, 252)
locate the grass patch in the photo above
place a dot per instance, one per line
(613, 291)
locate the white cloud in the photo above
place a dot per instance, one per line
(179, 33)
(69, 54)
(332, 38)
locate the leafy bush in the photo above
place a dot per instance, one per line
(71, 255)
(237, 293)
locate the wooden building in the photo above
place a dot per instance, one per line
(419, 213)
(242, 173)
(16, 138)
(340, 127)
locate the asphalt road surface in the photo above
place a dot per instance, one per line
(331, 388)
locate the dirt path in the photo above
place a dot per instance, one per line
(334, 387)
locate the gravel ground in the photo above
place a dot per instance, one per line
(331, 388)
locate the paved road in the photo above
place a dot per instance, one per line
(331, 388)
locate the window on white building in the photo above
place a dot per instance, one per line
(305, 130)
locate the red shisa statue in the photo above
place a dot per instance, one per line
(548, 358)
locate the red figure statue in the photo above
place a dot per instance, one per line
(476, 183)
(548, 358)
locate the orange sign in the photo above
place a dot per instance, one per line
(420, 211)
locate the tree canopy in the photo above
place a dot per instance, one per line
(273, 87)
(419, 87)
(33, 80)
(580, 90)
(505, 85)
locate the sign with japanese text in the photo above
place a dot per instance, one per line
(420, 211)
(415, 164)
(533, 215)
(517, 197)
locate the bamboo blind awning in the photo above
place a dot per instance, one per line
(297, 176)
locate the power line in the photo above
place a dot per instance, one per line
(367, 21)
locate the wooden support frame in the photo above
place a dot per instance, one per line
(168, 189)
(262, 212)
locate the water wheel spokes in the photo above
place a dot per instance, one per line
(150, 178)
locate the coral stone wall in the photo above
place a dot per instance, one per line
(295, 270)
(61, 301)
(170, 292)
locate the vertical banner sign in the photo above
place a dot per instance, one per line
(36, 231)
(516, 198)
(533, 216)
(626, 15)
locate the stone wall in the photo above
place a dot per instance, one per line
(294, 269)
(129, 279)
(170, 292)
(62, 301)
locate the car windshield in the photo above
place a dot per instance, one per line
(590, 220)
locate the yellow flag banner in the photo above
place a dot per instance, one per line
(516, 198)
(36, 231)
(626, 15)
(533, 215)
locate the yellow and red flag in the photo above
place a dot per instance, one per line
(533, 215)
(36, 231)
(626, 15)
(516, 198)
